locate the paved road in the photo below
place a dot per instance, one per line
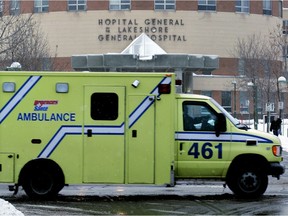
(182, 199)
(197, 197)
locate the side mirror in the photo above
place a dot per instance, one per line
(220, 124)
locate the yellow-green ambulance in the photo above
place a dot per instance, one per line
(61, 128)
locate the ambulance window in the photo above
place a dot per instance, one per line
(198, 116)
(104, 106)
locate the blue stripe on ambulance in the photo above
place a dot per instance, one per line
(77, 130)
(101, 130)
(146, 103)
(74, 129)
(224, 137)
(58, 136)
(18, 96)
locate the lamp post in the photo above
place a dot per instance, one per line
(255, 112)
(234, 97)
(282, 83)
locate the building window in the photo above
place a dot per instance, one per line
(243, 6)
(285, 27)
(241, 66)
(226, 100)
(207, 5)
(280, 8)
(104, 106)
(285, 51)
(1, 7)
(165, 4)
(267, 7)
(41, 6)
(207, 93)
(119, 4)
(77, 5)
(244, 102)
(14, 7)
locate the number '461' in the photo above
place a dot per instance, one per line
(206, 150)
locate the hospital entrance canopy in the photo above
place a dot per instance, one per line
(143, 54)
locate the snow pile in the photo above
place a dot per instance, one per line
(7, 209)
(284, 143)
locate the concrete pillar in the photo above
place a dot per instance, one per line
(188, 82)
(179, 76)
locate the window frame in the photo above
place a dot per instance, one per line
(42, 6)
(115, 5)
(242, 8)
(226, 96)
(206, 93)
(244, 102)
(14, 7)
(285, 26)
(164, 5)
(207, 5)
(109, 110)
(267, 7)
(1, 7)
(75, 5)
(201, 105)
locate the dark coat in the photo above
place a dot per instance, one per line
(275, 126)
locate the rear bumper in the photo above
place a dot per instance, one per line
(276, 169)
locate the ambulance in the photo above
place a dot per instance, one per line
(64, 128)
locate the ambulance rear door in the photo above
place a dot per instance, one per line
(141, 139)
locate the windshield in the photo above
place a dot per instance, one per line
(227, 114)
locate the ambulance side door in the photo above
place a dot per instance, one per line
(104, 116)
(200, 153)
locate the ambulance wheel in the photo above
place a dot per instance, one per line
(42, 178)
(248, 182)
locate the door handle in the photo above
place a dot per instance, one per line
(181, 146)
(181, 151)
(89, 133)
(134, 133)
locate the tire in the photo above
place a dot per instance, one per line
(42, 180)
(248, 182)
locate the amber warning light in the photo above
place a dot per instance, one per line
(164, 88)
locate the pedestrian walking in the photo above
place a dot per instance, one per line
(276, 126)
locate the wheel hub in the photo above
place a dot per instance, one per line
(249, 181)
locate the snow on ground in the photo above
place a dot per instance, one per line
(284, 142)
(7, 209)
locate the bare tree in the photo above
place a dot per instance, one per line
(10, 26)
(32, 49)
(260, 64)
(22, 40)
